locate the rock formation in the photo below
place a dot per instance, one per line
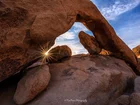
(80, 80)
(136, 50)
(28, 25)
(58, 53)
(131, 98)
(34, 82)
(105, 52)
(138, 66)
(89, 43)
(93, 47)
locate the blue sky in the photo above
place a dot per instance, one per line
(123, 15)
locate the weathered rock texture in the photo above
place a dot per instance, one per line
(137, 85)
(58, 53)
(93, 80)
(131, 98)
(136, 50)
(105, 52)
(135, 99)
(28, 25)
(122, 100)
(90, 43)
(34, 82)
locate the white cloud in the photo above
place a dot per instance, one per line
(79, 27)
(128, 33)
(73, 32)
(68, 35)
(74, 45)
(70, 39)
(118, 8)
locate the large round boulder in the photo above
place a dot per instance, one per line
(58, 53)
(33, 83)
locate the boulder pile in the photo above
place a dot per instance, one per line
(130, 99)
(30, 27)
(27, 26)
(79, 80)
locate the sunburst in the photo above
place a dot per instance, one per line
(44, 53)
(47, 54)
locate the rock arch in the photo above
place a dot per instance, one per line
(28, 24)
(105, 34)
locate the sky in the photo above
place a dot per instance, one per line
(123, 15)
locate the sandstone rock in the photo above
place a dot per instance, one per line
(135, 99)
(122, 100)
(28, 25)
(90, 43)
(34, 82)
(105, 52)
(58, 53)
(82, 80)
(95, 80)
(136, 50)
(138, 66)
(105, 34)
(37, 63)
(137, 85)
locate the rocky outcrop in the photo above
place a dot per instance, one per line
(105, 52)
(135, 99)
(136, 50)
(131, 98)
(89, 43)
(138, 66)
(58, 53)
(137, 85)
(122, 100)
(105, 34)
(33, 83)
(80, 80)
(30, 25)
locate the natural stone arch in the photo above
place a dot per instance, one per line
(105, 34)
(28, 24)
(91, 17)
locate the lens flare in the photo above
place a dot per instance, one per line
(46, 53)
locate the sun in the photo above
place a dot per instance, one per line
(46, 53)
